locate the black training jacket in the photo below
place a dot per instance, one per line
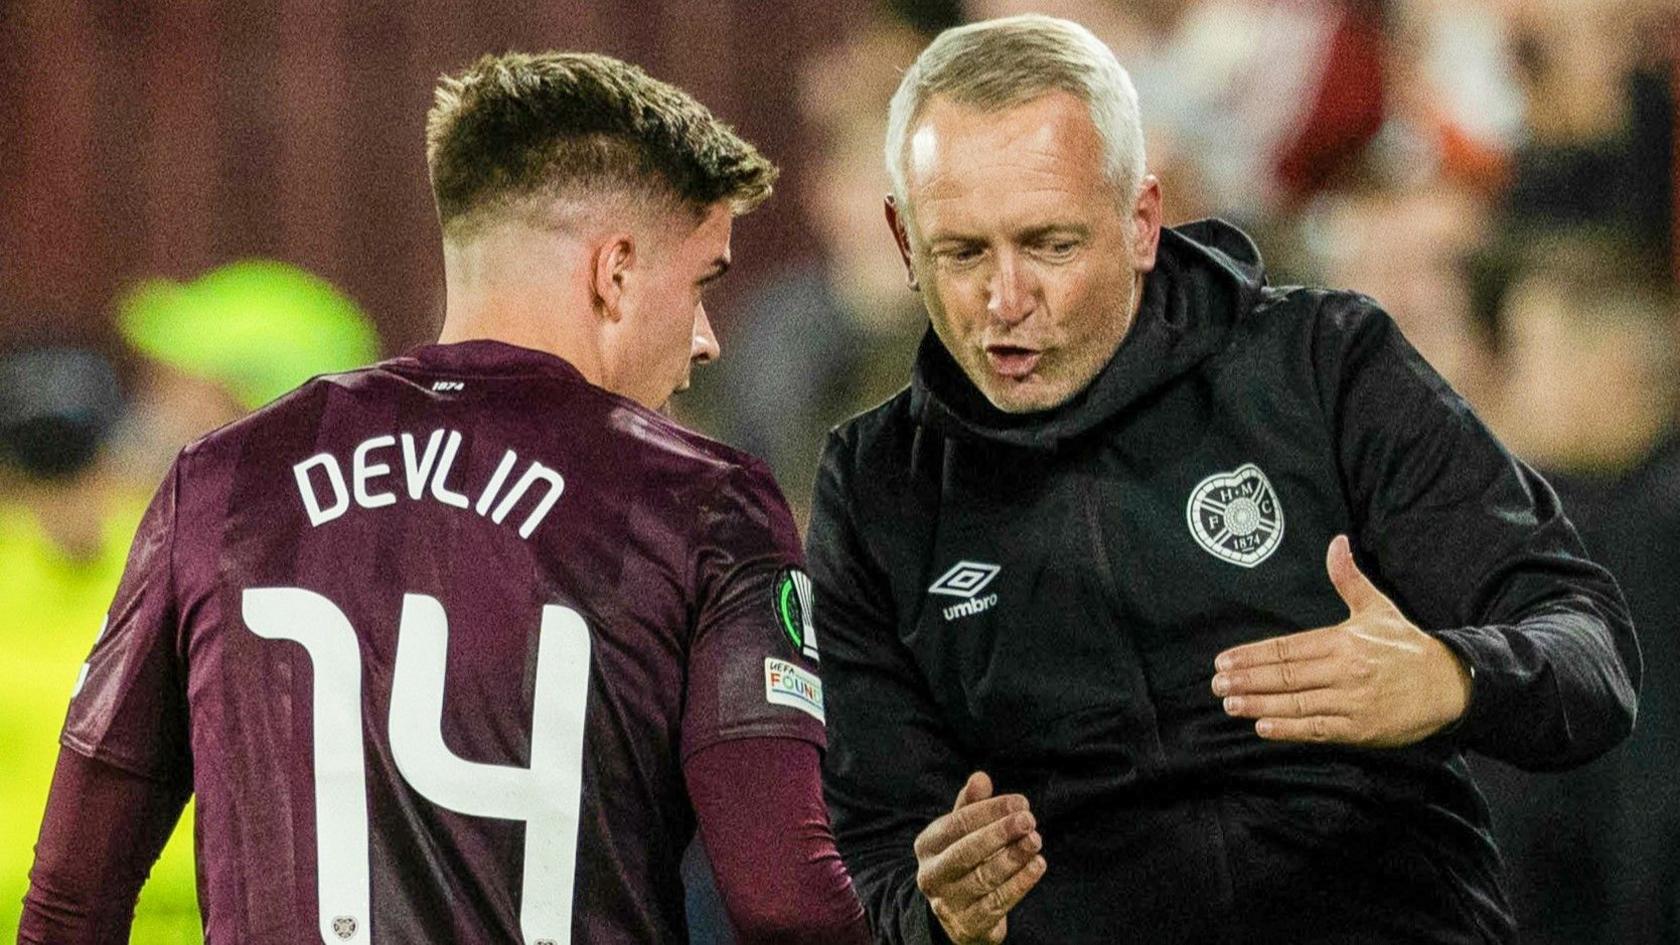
(1042, 598)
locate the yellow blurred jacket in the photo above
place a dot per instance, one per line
(50, 612)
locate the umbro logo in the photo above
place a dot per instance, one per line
(967, 579)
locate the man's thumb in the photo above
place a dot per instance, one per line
(978, 788)
(1355, 589)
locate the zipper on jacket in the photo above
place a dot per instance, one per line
(1139, 682)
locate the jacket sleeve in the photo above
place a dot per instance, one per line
(892, 764)
(1474, 548)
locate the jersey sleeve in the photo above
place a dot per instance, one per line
(129, 708)
(104, 828)
(759, 804)
(1475, 548)
(752, 661)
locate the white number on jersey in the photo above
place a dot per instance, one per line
(546, 795)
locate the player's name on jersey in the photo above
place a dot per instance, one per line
(328, 493)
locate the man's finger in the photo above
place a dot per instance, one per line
(993, 871)
(1354, 588)
(1287, 705)
(950, 828)
(1317, 728)
(1280, 677)
(978, 787)
(1294, 647)
(950, 865)
(985, 913)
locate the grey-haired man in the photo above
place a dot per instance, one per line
(1190, 591)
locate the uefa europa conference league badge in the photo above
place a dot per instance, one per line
(1235, 516)
(791, 600)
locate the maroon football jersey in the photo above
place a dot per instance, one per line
(432, 640)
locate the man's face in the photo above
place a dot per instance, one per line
(665, 329)
(1031, 263)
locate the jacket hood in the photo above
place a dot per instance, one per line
(1207, 276)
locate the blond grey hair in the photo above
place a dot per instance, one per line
(998, 64)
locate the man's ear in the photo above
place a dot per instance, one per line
(901, 238)
(614, 257)
(1146, 224)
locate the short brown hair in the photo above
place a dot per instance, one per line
(517, 126)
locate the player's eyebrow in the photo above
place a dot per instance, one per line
(720, 266)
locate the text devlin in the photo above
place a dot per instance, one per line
(426, 472)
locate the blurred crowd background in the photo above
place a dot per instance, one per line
(206, 202)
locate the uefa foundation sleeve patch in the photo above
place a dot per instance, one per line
(791, 599)
(787, 684)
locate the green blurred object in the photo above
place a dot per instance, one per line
(53, 609)
(260, 327)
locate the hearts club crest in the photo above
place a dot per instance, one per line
(1235, 516)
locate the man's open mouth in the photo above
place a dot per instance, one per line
(1011, 361)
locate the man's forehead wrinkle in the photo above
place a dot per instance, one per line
(970, 215)
(1024, 198)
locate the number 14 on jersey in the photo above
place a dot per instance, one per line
(545, 795)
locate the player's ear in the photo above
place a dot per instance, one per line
(901, 238)
(614, 257)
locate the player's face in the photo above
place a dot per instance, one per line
(1031, 264)
(671, 332)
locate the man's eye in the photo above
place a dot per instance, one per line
(961, 255)
(1058, 249)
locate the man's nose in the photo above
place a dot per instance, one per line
(1010, 295)
(705, 345)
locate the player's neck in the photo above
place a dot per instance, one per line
(535, 299)
(577, 350)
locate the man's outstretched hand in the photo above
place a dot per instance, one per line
(975, 863)
(1374, 679)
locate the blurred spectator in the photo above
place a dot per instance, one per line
(834, 333)
(1410, 249)
(1597, 77)
(65, 524)
(77, 469)
(1591, 391)
(223, 345)
(1455, 105)
(927, 17)
(1251, 106)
